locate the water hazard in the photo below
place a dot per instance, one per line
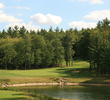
(73, 92)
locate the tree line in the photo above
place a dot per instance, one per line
(94, 47)
(23, 49)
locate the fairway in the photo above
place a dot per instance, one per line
(50, 72)
(54, 74)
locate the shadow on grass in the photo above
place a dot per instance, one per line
(14, 98)
(17, 94)
(82, 72)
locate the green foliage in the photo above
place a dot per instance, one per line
(68, 41)
(58, 51)
(99, 47)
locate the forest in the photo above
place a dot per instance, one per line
(23, 49)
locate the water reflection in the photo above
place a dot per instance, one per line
(73, 92)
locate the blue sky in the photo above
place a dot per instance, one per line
(37, 14)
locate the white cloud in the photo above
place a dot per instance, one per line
(20, 7)
(31, 22)
(92, 1)
(20, 14)
(46, 19)
(26, 8)
(2, 5)
(8, 18)
(78, 0)
(82, 24)
(98, 15)
(27, 26)
(82, 0)
(96, 2)
(1, 11)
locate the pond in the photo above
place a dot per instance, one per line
(72, 92)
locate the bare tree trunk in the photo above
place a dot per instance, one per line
(66, 63)
(72, 63)
(25, 65)
(6, 64)
(90, 66)
(101, 72)
(15, 62)
(16, 65)
(25, 60)
(6, 56)
(97, 69)
(108, 73)
(43, 66)
(29, 66)
(69, 63)
(94, 67)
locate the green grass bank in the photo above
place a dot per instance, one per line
(12, 95)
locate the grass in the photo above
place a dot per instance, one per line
(50, 72)
(53, 75)
(47, 75)
(11, 95)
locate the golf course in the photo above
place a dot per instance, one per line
(78, 73)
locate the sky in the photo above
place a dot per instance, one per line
(43, 14)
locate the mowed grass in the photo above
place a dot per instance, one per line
(49, 72)
(11, 95)
(53, 75)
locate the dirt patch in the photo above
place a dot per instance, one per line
(75, 71)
